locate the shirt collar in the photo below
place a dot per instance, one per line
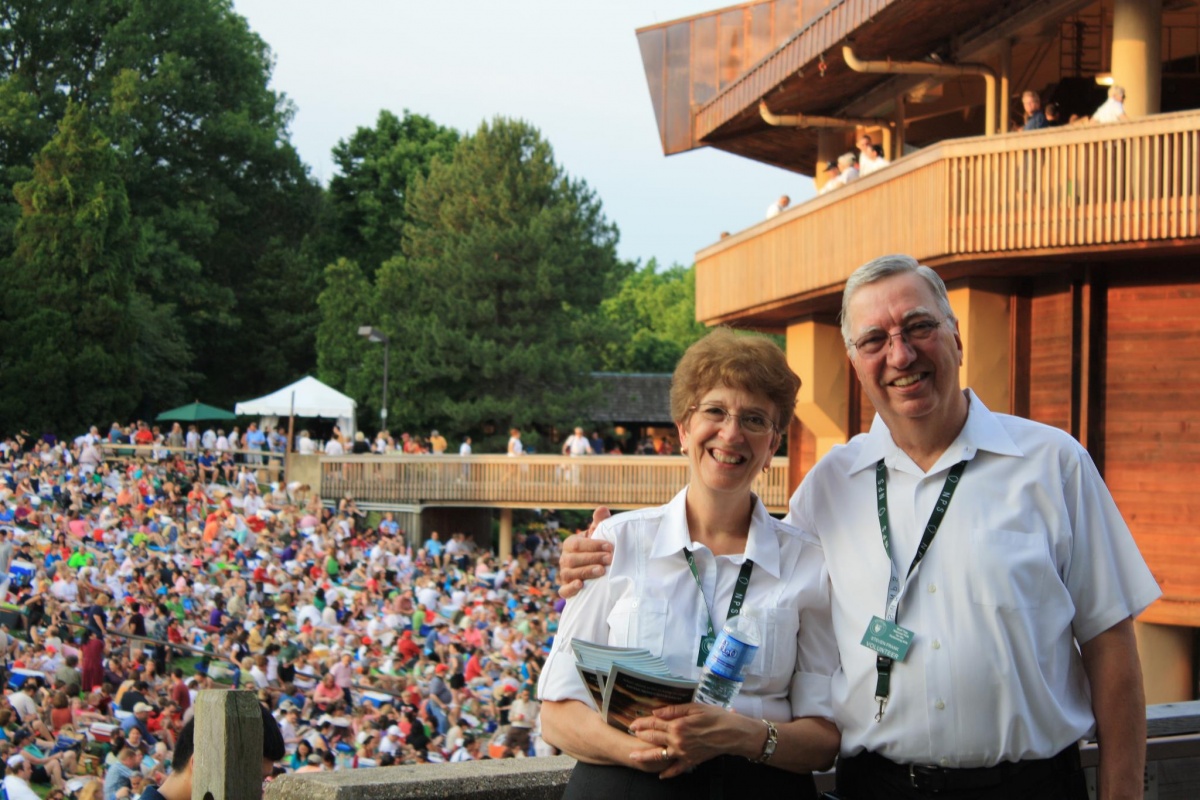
(982, 431)
(762, 545)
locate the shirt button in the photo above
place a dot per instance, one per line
(932, 588)
(634, 604)
(937, 644)
(939, 705)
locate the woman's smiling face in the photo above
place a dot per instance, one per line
(725, 456)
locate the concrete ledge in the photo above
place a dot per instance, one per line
(507, 779)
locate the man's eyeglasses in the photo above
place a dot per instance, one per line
(876, 342)
(753, 424)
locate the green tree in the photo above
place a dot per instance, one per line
(651, 319)
(495, 301)
(376, 168)
(216, 192)
(346, 303)
(68, 339)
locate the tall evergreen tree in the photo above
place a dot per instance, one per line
(494, 302)
(68, 339)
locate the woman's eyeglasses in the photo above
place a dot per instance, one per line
(752, 423)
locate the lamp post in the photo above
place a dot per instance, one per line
(373, 334)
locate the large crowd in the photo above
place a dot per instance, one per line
(137, 581)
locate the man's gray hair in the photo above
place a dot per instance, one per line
(885, 267)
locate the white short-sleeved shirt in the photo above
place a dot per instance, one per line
(1031, 556)
(649, 599)
(1109, 111)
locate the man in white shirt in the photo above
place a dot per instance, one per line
(870, 156)
(334, 447)
(776, 208)
(305, 446)
(16, 779)
(1112, 109)
(577, 444)
(1019, 612)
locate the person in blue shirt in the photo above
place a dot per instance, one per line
(1034, 118)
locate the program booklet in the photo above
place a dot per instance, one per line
(626, 683)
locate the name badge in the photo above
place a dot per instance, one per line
(887, 639)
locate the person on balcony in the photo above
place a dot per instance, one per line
(870, 156)
(1020, 611)
(1112, 109)
(1035, 118)
(675, 571)
(776, 208)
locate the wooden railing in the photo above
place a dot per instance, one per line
(526, 482)
(1085, 189)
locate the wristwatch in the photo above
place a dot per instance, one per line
(768, 748)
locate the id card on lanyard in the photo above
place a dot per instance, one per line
(890, 641)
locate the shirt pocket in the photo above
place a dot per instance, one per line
(1008, 568)
(776, 655)
(639, 622)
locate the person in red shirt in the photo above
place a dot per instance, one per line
(409, 650)
(179, 691)
(144, 435)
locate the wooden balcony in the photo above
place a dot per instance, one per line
(1057, 193)
(619, 482)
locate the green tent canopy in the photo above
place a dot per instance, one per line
(193, 412)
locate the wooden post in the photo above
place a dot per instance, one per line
(506, 533)
(229, 746)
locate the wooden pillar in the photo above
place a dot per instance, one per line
(900, 123)
(983, 310)
(816, 352)
(1005, 90)
(1137, 54)
(829, 142)
(1166, 652)
(506, 536)
(229, 746)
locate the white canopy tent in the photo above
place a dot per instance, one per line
(307, 397)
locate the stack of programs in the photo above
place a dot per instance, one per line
(627, 683)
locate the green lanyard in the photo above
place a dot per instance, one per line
(735, 602)
(883, 664)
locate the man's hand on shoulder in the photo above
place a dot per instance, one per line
(583, 557)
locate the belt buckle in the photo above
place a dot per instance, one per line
(926, 778)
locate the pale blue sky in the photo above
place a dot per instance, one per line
(570, 67)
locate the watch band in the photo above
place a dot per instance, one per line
(769, 747)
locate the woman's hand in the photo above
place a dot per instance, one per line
(650, 758)
(691, 734)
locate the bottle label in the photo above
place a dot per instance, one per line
(729, 657)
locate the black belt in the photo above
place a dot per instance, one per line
(928, 778)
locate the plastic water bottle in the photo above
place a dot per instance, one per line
(724, 669)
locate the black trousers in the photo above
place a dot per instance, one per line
(868, 776)
(722, 777)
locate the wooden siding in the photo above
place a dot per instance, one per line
(526, 482)
(1152, 433)
(1051, 356)
(1078, 190)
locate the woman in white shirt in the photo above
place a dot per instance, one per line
(731, 398)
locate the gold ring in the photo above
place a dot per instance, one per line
(664, 754)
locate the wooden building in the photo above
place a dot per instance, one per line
(1070, 252)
